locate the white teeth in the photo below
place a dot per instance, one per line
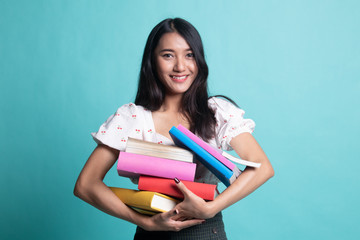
(179, 78)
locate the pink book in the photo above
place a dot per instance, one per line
(134, 165)
(210, 150)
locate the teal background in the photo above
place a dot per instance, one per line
(293, 66)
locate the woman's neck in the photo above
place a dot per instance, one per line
(172, 103)
(169, 115)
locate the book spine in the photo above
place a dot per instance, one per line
(223, 173)
(168, 187)
(210, 150)
(144, 199)
(134, 165)
(133, 198)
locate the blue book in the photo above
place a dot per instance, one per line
(223, 173)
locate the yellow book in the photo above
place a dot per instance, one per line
(145, 212)
(147, 200)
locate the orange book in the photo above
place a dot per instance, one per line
(168, 187)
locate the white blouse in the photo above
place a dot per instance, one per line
(135, 121)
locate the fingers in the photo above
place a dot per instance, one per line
(182, 217)
(182, 187)
(189, 223)
(165, 222)
(176, 217)
(168, 221)
(171, 214)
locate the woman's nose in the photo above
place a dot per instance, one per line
(179, 65)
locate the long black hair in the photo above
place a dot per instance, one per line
(151, 91)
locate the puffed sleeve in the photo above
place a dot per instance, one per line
(229, 122)
(115, 131)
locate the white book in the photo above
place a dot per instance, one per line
(241, 161)
(158, 150)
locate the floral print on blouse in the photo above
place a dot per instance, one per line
(135, 121)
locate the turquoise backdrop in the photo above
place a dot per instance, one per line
(293, 66)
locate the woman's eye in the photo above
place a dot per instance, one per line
(190, 55)
(167, 55)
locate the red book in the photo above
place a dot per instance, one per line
(168, 187)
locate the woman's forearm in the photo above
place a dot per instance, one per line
(195, 207)
(247, 148)
(100, 196)
(246, 183)
(91, 188)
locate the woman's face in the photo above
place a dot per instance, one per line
(175, 63)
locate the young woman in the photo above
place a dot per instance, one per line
(173, 90)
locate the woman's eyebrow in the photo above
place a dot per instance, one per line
(171, 50)
(167, 50)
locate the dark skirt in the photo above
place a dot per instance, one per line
(212, 228)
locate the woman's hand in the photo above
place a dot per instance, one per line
(165, 222)
(192, 206)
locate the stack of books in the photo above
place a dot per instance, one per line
(157, 165)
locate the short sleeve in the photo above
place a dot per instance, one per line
(230, 122)
(115, 131)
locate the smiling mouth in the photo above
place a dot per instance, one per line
(179, 78)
